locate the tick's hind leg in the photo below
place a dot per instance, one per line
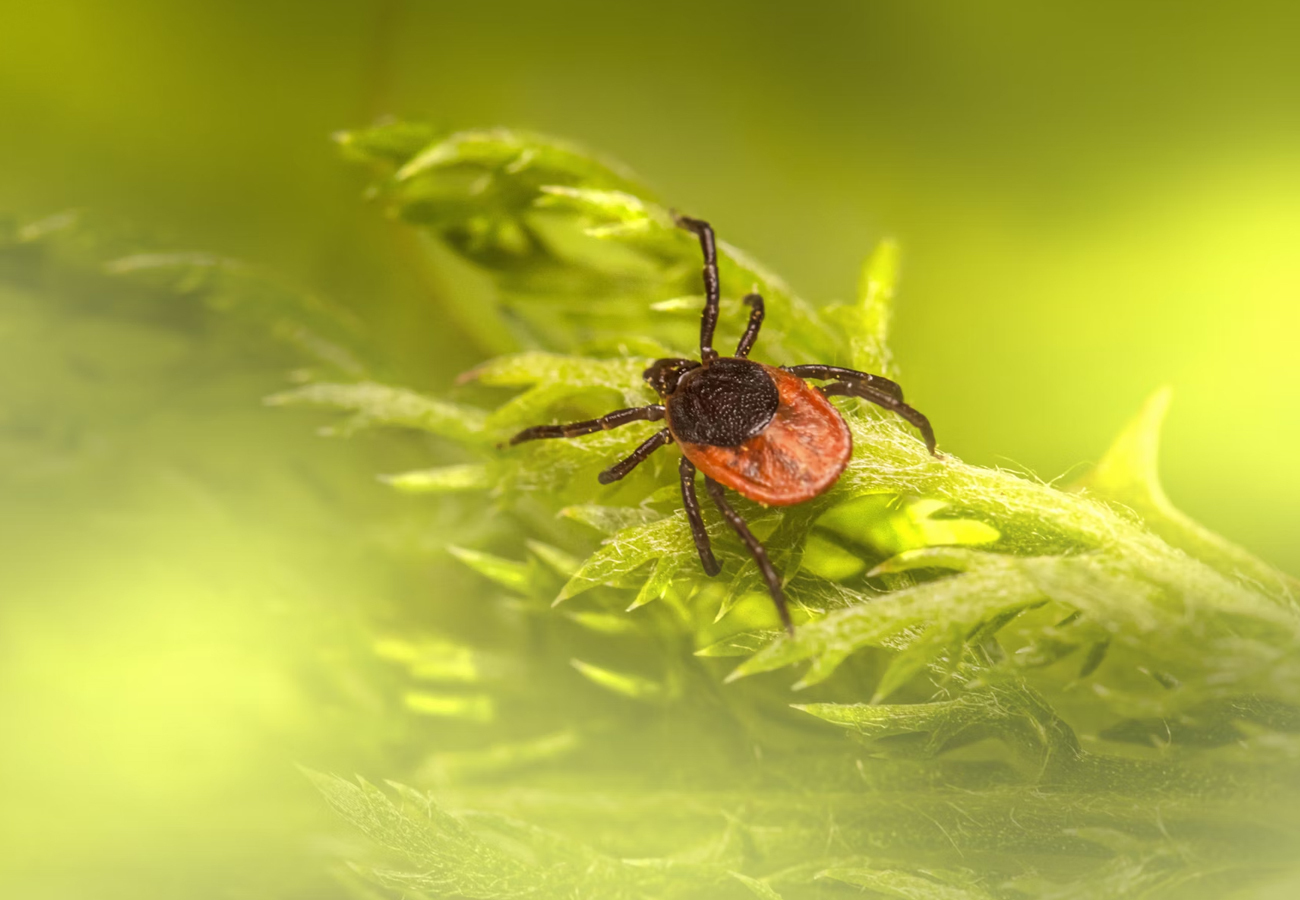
(770, 575)
(635, 458)
(846, 389)
(615, 419)
(692, 504)
(755, 302)
(853, 376)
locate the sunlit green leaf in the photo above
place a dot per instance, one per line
(473, 707)
(628, 685)
(561, 563)
(430, 660)
(443, 480)
(505, 572)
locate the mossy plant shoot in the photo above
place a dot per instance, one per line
(972, 685)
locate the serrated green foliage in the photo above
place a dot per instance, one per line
(561, 563)
(628, 551)
(892, 883)
(497, 859)
(392, 142)
(1045, 693)
(377, 404)
(1128, 474)
(505, 572)
(526, 208)
(609, 519)
(758, 886)
(569, 372)
(1009, 690)
(73, 253)
(957, 604)
(661, 576)
(315, 328)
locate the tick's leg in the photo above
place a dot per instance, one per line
(755, 322)
(860, 389)
(716, 491)
(664, 374)
(659, 366)
(820, 372)
(621, 468)
(709, 320)
(692, 504)
(613, 420)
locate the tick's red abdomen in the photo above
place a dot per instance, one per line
(799, 455)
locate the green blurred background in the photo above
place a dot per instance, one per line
(1093, 200)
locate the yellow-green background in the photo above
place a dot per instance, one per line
(1093, 199)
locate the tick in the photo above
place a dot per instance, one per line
(760, 430)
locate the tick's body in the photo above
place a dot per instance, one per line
(759, 430)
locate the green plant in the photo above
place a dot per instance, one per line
(1005, 688)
